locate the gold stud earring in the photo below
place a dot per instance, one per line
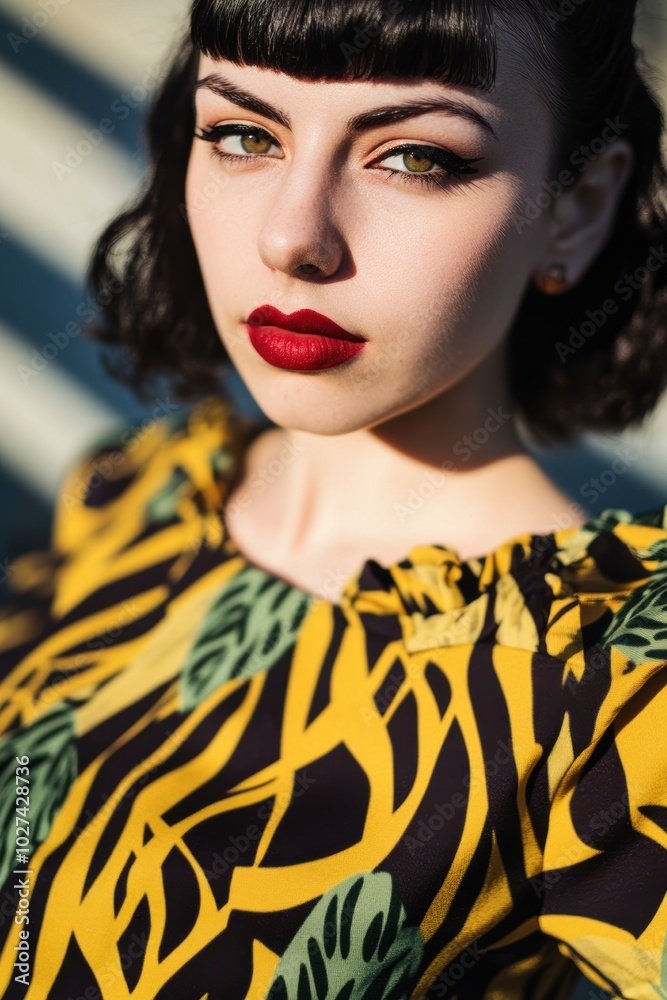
(553, 281)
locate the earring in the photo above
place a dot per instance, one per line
(553, 281)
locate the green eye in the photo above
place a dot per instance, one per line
(418, 158)
(256, 143)
(418, 162)
(253, 141)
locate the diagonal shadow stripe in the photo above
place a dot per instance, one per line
(37, 302)
(25, 525)
(69, 82)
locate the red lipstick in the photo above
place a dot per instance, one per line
(301, 341)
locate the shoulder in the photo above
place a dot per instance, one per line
(604, 879)
(578, 615)
(607, 621)
(554, 592)
(143, 468)
(118, 501)
(133, 513)
(614, 569)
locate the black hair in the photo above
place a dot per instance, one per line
(573, 364)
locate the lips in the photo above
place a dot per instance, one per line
(302, 321)
(303, 341)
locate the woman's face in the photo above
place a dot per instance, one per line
(428, 266)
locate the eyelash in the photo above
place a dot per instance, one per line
(452, 166)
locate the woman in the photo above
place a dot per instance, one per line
(355, 702)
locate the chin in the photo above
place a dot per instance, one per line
(315, 412)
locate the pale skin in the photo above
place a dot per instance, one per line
(432, 276)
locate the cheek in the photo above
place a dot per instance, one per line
(197, 205)
(224, 258)
(463, 280)
(205, 194)
(465, 261)
(483, 237)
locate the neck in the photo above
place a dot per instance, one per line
(453, 471)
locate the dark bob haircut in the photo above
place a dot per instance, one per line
(573, 364)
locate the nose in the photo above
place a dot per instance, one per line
(301, 235)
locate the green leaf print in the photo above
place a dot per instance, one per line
(253, 622)
(658, 550)
(661, 990)
(639, 627)
(575, 548)
(164, 504)
(49, 743)
(222, 461)
(354, 945)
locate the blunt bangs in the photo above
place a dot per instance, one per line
(452, 41)
(157, 318)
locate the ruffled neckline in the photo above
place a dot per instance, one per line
(606, 555)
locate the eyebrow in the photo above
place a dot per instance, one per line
(360, 123)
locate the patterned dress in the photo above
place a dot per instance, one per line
(452, 782)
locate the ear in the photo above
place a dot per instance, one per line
(583, 218)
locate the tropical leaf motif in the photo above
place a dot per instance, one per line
(360, 924)
(164, 504)
(609, 518)
(253, 622)
(575, 548)
(639, 627)
(661, 988)
(221, 461)
(657, 550)
(49, 743)
(612, 517)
